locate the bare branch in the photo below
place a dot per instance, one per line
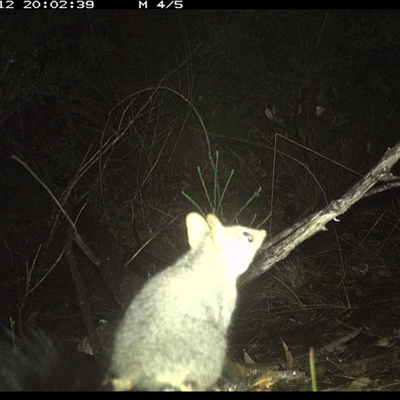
(279, 247)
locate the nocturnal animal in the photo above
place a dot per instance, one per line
(174, 334)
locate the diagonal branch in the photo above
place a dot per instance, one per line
(279, 247)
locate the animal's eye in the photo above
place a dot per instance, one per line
(249, 237)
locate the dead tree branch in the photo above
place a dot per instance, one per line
(279, 247)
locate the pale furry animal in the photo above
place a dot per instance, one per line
(173, 335)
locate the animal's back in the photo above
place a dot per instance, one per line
(172, 336)
(174, 333)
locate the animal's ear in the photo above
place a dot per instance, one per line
(215, 225)
(197, 227)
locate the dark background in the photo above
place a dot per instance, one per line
(127, 84)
